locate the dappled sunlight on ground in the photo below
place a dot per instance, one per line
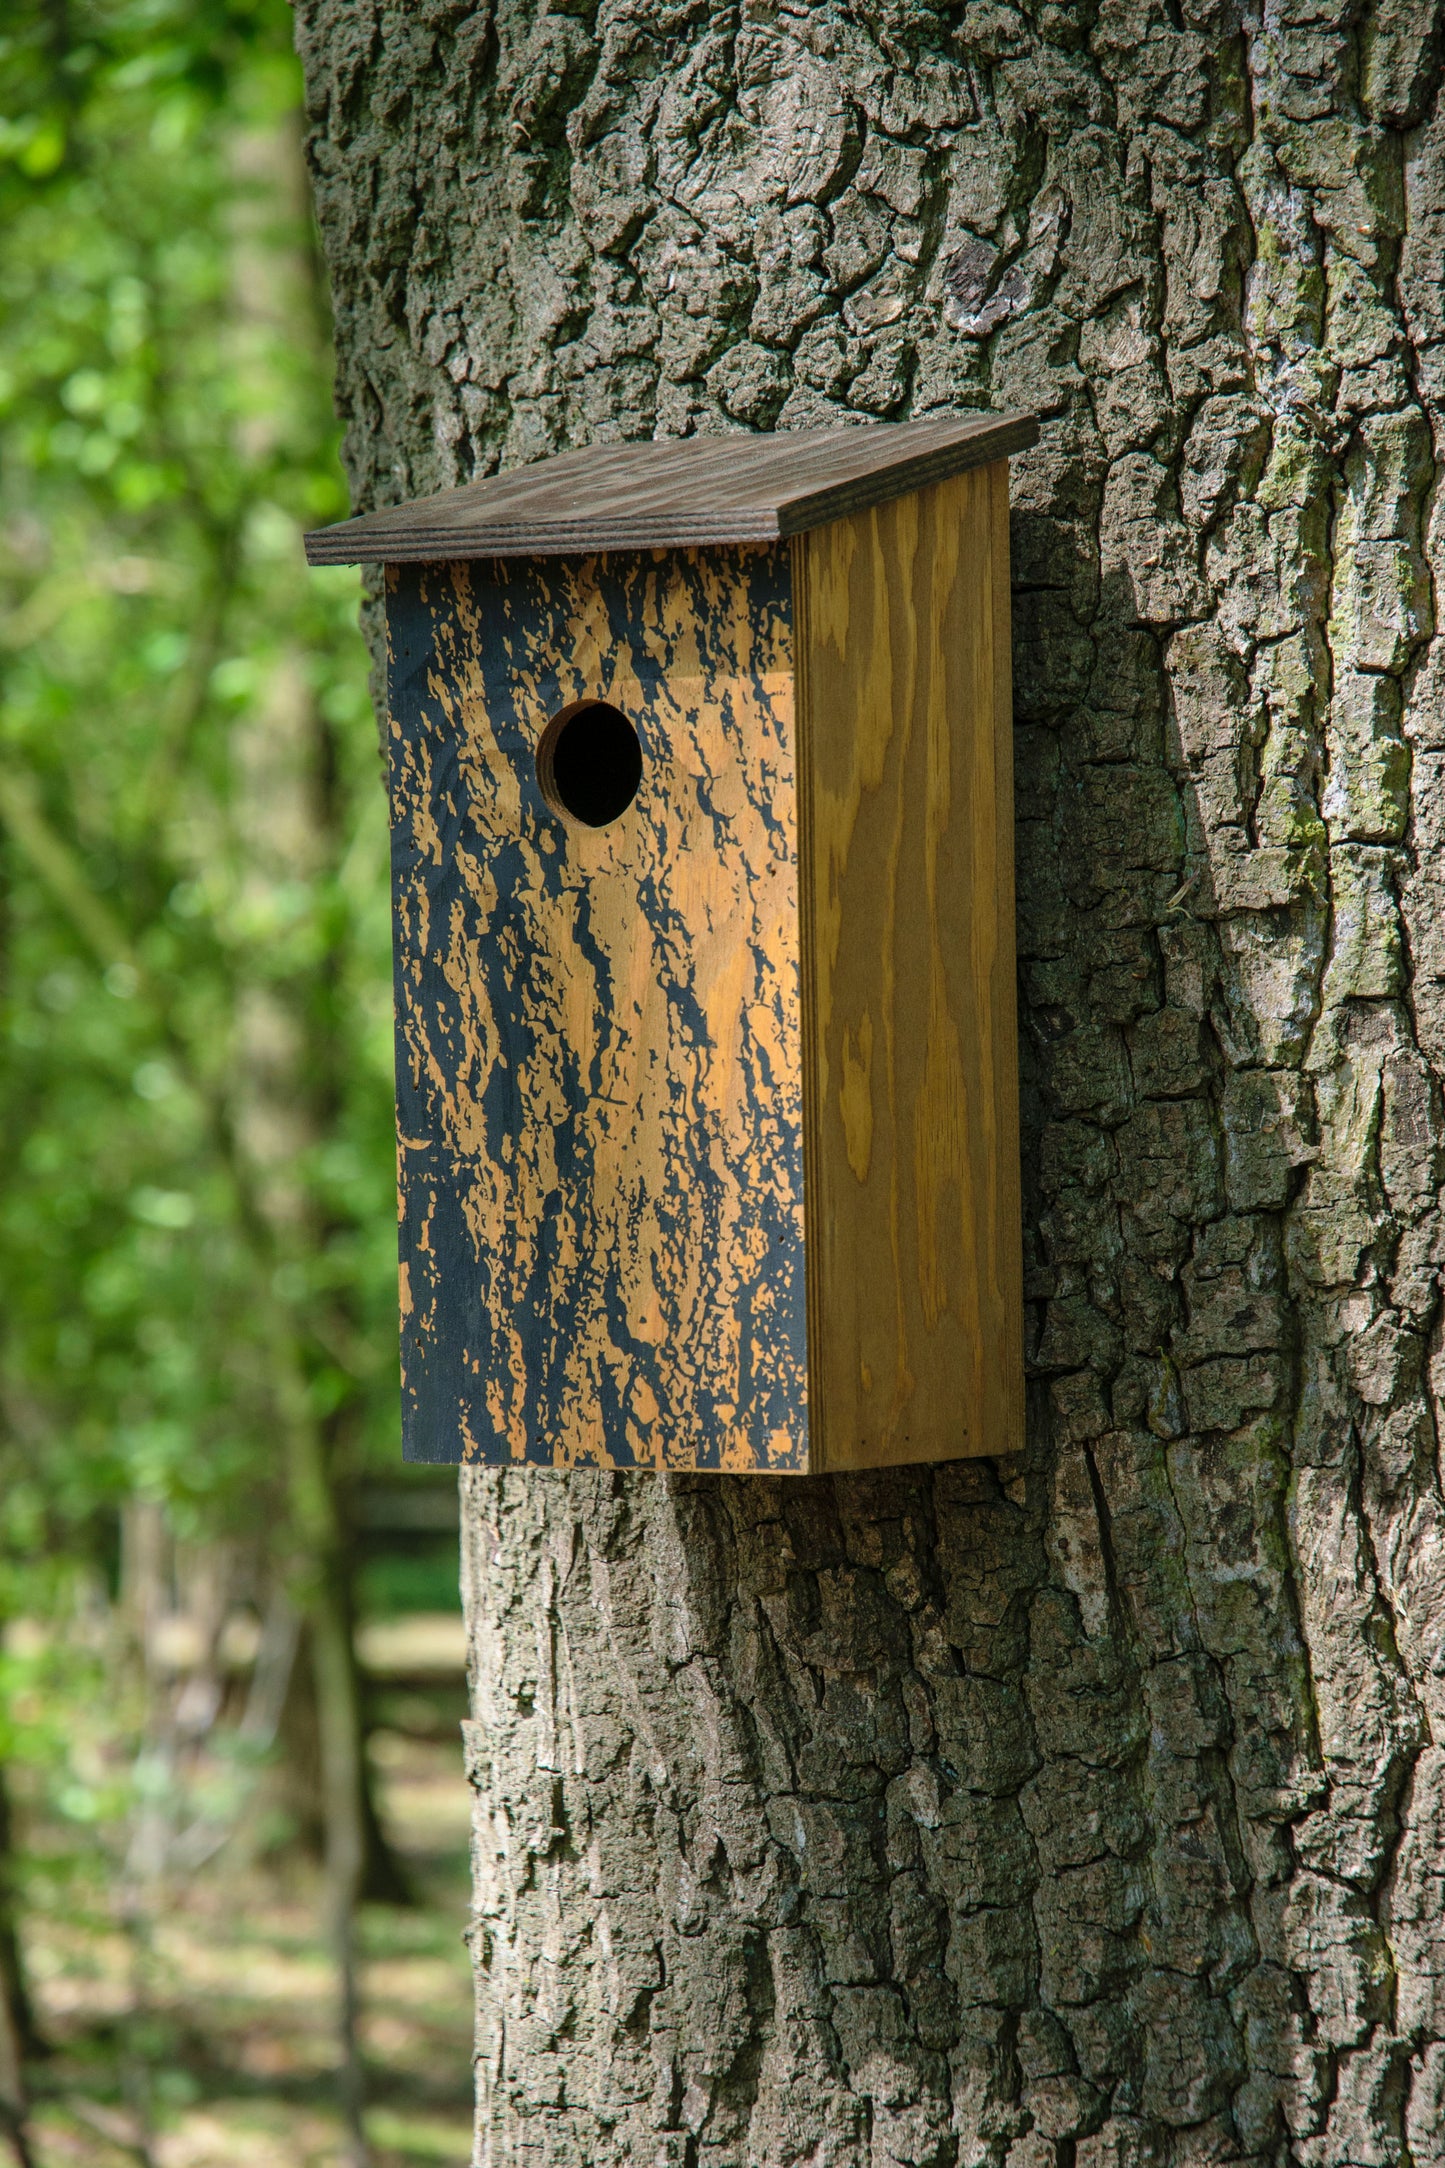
(226, 2016)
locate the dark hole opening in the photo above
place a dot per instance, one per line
(589, 762)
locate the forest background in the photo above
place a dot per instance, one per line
(202, 1513)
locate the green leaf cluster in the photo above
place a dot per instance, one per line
(194, 984)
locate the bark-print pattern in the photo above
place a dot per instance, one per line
(598, 1064)
(1089, 1813)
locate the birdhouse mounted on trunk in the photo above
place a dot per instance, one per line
(702, 876)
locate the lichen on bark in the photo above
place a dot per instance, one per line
(1085, 1810)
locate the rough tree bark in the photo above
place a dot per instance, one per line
(1088, 1810)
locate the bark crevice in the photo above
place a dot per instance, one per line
(1086, 1811)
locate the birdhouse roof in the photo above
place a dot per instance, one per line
(675, 493)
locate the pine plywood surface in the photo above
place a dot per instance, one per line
(598, 1031)
(911, 1091)
(677, 492)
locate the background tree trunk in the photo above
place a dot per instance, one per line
(1086, 1810)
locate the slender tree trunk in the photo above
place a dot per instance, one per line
(14, 1987)
(18, 2037)
(1085, 1810)
(276, 1107)
(287, 821)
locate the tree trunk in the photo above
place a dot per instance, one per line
(1085, 1810)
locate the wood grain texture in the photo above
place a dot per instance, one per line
(598, 1031)
(674, 493)
(910, 1067)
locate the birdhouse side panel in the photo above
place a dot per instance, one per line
(911, 1077)
(599, 1093)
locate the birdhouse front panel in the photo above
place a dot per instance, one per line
(707, 1092)
(599, 1042)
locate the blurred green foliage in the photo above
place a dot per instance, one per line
(165, 435)
(197, 1186)
(197, 1275)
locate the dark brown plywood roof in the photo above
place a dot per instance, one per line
(677, 493)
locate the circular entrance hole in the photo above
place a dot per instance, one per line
(589, 762)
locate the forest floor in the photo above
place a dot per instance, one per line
(225, 2047)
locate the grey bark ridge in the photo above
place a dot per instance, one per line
(1088, 1810)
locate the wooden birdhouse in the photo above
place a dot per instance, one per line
(702, 863)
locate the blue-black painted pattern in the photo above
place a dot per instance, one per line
(598, 1059)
